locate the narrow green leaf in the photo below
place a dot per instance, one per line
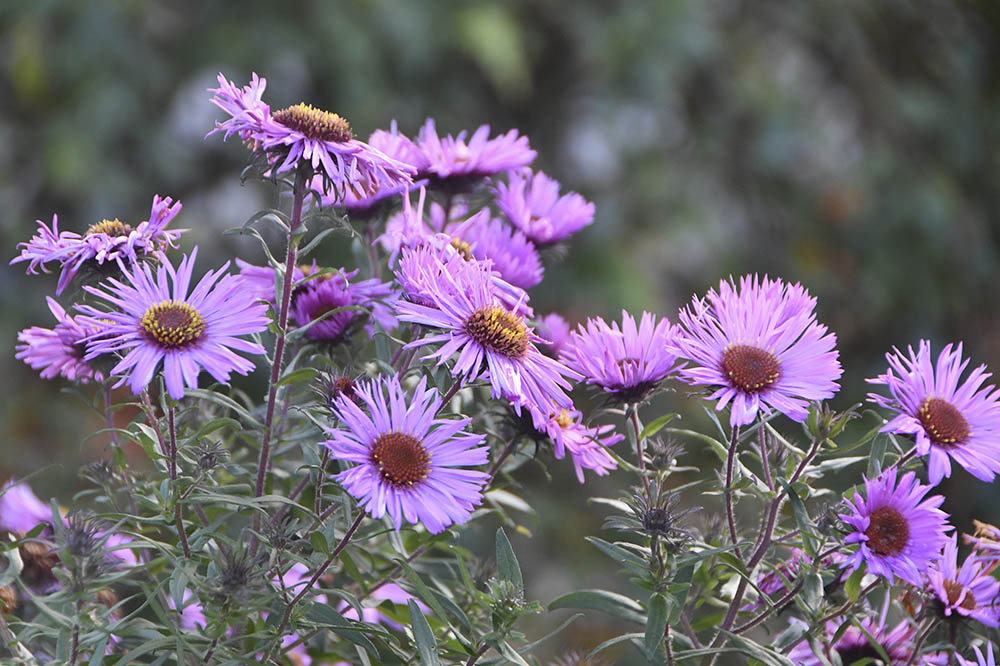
(655, 425)
(298, 376)
(507, 565)
(319, 543)
(852, 587)
(757, 651)
(609, 602)
(422, 634)
(325, 614)
(656, 624)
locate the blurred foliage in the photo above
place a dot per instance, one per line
(846, 144)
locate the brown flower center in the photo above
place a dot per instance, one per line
(315, 123)
(401, 459)
(113, 227)
(173, 324)
(888, 532)
(464, 249)
(499, 330)
(954, 591)
(750, 368)
(943, 423)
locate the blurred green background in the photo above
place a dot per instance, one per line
(846, 144)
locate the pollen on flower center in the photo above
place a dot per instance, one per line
(173, 324)
(954, 590)
(499, 330)
(888, 532)
(750, 368)
(564, 419)
(401, 459)
(315, 123)
(943, 423)
(463, 248)
(113, 227)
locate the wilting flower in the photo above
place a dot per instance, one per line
(156, 319)
(898, 531)
(985, 542)
(981, 660)
(60, 350)
(409, 464)
(512, 254)
(451, 157)
(586, 445)
(761, 346)
(627, 361)
(533, 205)
(103, 242)
(488, 337)
(854, 644)
(949, 421)
(305, 134)
(969, 591)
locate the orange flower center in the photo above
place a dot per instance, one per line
(888, 532)
(943, 423)
(750, 368)
(401, 459)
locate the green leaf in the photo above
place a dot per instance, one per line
(656, 624)
(655, 425)
(507, 565)
(14, 566)
(422, 634)
(852, 587)
(325, 614)
(609, 602)
(757, 651)
(319, 543)
(617, 553)
(801, 518)
(298, 376)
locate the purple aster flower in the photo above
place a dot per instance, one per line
(898, 531)
(452, 158)
(969, 591)
(761, 346)
(948, 420)
(409, 463)
(388, 592)
(554, 331)
(854, 644)
(981, 660)
(156, 319)
(20, 509)
(59, 351)
(192, 614)
(103, 242)
(304, 134)
(533, 205)
(512, 254)
(627, 361)
(586, 446)
(488, 337)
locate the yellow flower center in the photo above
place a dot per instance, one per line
(113, 227)
(173, 324)
(463, 248)
(499, 330)
(315, 123)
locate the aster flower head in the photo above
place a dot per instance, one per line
(303, 134)
(761, 346)
(969, 591)
(156, 319)
(452, 158)
(331, 291)
(854, 643)
(514, 257)
(948, 419)
(59, 351)
(490, 338)
(20, 509)
(627, 361)
(554, 331)
(981, 659)
(107, 242)
(899, 532)
(409, 464)
(586, 445)
(533, 205)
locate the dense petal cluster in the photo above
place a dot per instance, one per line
(59, 351)
(969, 591)
(949, 419)
(408, 463)
(453, 157)
(586, 445)
(533, 205)
(628, 360)
(761, 346)
(899, 532)
(512, 254)
(156, 319)
(488, 337)
(103, 242)
(854, 643)
(304, 134)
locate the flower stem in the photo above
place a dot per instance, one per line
(730, 465)
(639, 452)
(312, 582)
(474, 658)
(298, 197)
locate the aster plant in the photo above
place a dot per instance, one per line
(322, 495)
